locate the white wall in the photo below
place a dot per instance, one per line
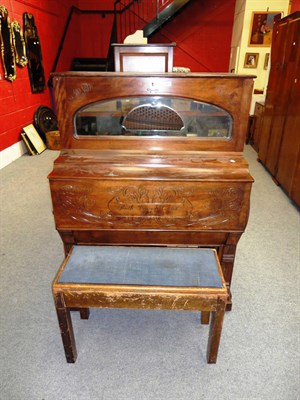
(240, 41)
(11, 153)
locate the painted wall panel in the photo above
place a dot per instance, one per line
(295, 6)
(17, 102)
(202, 32)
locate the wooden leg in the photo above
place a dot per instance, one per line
(227, 256)
(229, 300)
(84, 313)
(215, 332)
(205, 317)
(66, 329)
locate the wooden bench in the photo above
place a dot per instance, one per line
(142, 278)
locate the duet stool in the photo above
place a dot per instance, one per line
(161, 278)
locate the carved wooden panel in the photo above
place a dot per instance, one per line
(146, 205)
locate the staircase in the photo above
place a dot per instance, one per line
(129, 16)
(163, 16)
(146, 15)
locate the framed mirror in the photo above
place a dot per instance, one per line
(7, 46)
(34, 54)
(158, 116)
(19, 44)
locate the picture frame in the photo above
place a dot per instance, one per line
(261, 28)
(33, 139)
(266, 62)
(251, 60)
(19, 44)
(29, 146)
(34, 54)
(7, 49)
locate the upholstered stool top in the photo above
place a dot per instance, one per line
(151, 266)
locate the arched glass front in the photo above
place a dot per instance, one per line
(153, 116)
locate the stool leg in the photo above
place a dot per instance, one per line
(84, 313)
(205, 317)
(66, 329)
(215, 332)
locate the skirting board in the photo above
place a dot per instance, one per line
(10, 154)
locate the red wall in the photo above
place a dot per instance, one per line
(17, 103)
(295, 6)
(88, 36)
(96, 4)
(202, 32)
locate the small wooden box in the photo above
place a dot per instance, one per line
(53, 140)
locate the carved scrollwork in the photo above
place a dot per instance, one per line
(71, 196)
(142, 202)
(143, 206)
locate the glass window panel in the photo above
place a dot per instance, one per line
(153, 116)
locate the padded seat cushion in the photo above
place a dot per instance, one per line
(151, 266)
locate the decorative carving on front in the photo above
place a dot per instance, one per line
(157, 203)
(70, 196)
(151, 207)
(81, 90)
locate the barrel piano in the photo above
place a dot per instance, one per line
(152, 160)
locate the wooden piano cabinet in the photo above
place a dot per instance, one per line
(152, 184)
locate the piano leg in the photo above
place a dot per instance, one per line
(229, 300)
(68, 240)
(227, 257)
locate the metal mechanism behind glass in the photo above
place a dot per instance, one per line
(153, 116)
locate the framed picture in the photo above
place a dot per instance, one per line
(266, 63)
(261, 28)
(33, 139)
(251, 60)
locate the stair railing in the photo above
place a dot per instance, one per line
(129, 16)
(132, 15)
(76, 10)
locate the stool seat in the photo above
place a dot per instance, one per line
(142, 278)
(142, 266)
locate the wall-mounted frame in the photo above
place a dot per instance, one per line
(251, 60)
(266, 62)
(261, 28)
(34, 54)
(19, 44)
(7, 47)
